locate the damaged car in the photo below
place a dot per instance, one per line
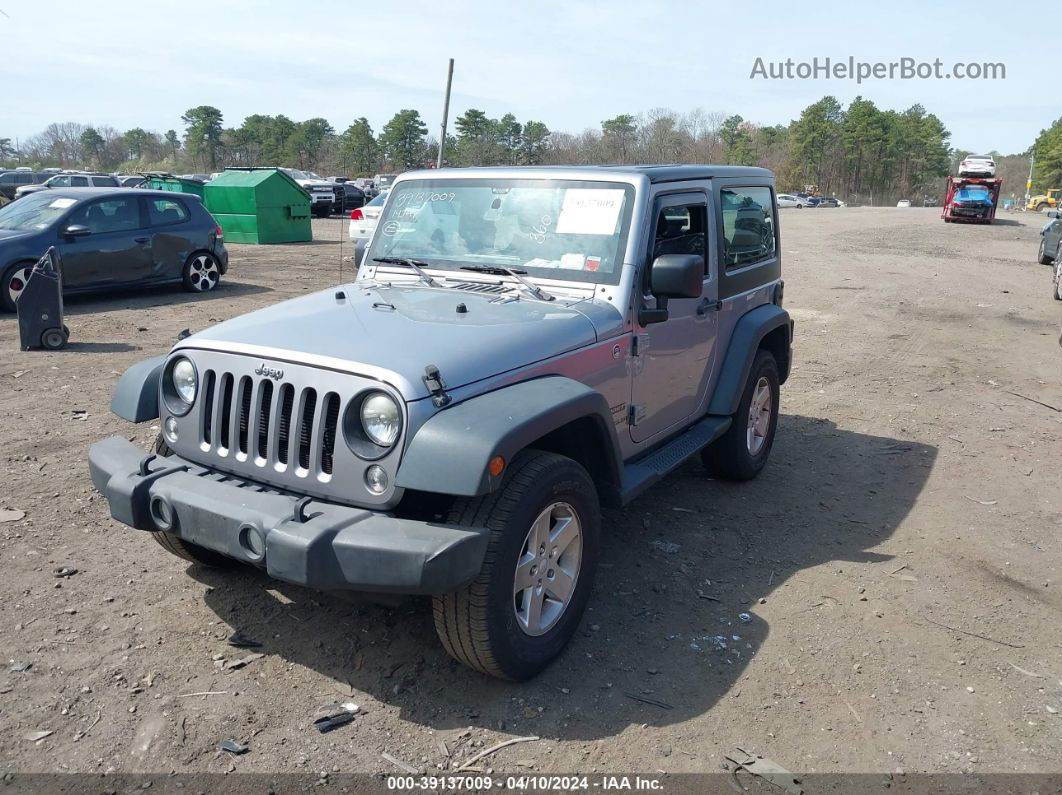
(111, 238)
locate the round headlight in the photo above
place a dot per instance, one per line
(185, 381)
(381, 419)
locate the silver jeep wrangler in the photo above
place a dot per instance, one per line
(521, 347)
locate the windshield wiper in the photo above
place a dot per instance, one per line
(416, 265)
(501, 270)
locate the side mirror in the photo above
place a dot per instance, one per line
(677, 276)
(1052, 214)
(672, 276)
(77, 230)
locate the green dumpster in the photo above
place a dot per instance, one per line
(259, 205)
(157, 181)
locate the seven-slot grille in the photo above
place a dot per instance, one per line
(270, 424)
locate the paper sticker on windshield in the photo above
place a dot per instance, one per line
(590, 211)
(62, 204)
(572, 261)
(592, 263)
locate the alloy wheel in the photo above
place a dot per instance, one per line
(17, 283)
(203, 273)
(547, 569)
(759, 416)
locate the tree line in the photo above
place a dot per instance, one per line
(860, 152)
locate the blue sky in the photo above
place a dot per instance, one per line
(569, 64)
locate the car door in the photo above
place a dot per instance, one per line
(673, 360)
(170, 232)
(1052, 234)
(116, 251)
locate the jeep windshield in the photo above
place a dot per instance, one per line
(554, 229)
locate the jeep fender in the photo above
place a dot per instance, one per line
(136, 398)
(449, 454)
(749, 332)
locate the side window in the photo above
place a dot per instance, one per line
(79, 182)
(59, 182)
(113, 215)
(748, 225)
(23, 179)
(163, 212)
(105, 182)
(7, 179)
(680, 229)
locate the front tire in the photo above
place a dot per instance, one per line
(537, 575)
(741, 452)
(14, 282)
(1042, 256)
(1057, 292)
(201, 273)
(176, 545)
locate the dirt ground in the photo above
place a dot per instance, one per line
(898, 559)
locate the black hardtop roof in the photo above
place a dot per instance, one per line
(673, 172)
(668, 172)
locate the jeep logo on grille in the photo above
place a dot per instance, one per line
(269, 372)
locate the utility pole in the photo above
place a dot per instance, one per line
(1028, 182)
(446, 113)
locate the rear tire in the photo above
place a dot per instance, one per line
(544, 526)
(201, 273)
(176, 545)
(741, 452)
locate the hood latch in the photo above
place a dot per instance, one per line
(436, 386)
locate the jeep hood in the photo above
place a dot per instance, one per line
(393, 333)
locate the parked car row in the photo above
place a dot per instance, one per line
(801, 200)
(329, 196)
(69, 181)
(13, 179)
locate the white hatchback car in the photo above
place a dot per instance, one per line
(977, 166)
(789, 200)
(903, 203)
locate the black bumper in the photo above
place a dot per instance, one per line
(309, 542)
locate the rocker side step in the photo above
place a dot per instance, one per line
(641, 474)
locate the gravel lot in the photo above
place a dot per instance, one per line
(898, 557)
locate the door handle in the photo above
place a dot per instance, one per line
(141, 239)
(706, 305)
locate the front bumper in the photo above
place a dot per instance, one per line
(309, 542)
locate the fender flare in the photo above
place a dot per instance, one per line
(745, 340)
(450, 452)
(136, 398)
